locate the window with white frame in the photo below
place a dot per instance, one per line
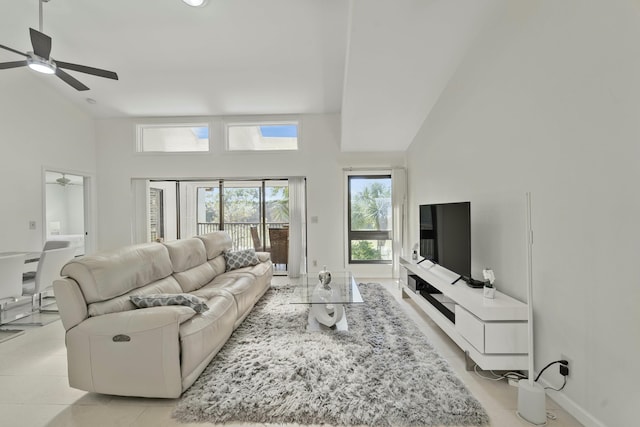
(262, 136)
(172, 138)
(370, 225)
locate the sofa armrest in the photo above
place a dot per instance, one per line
(130, 353)
(263, 256)
(138, 320)
(70, 302)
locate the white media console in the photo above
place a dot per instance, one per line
(491, 332)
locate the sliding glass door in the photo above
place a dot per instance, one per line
(242, 209)
(255, 213)
(247, 210)
(156, 214)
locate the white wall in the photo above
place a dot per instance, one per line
(38, 128)
(548, 102)
(319, 159)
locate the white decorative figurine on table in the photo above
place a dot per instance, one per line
(489, 290)
(324, 307)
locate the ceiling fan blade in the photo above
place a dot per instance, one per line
(15, 64)
(70, 80)
(13, 50)
(41, 43)
(87, 70)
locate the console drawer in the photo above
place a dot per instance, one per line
(506, 337)
(470, 327)
(492, 337)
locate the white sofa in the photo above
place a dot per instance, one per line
(115, 348)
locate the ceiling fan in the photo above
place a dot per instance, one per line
(64, 181)
(39, 59)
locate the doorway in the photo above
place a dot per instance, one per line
(65, 209)
(254, 212)
(248, 210)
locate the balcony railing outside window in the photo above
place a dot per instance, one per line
(240, 232)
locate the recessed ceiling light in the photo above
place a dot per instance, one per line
(91, 100)
(196, 3)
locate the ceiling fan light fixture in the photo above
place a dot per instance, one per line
(40, 65)
(196, 3)
(63, 180)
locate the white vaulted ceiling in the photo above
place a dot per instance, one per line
(380, 63)
(401, 56)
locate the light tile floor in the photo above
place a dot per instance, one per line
(34, 390)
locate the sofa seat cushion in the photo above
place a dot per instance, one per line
(244, 289)
(261, 273)
(207, 332)
(259, 270)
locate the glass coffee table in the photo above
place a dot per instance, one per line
(327, 301)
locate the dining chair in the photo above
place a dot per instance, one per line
(279, 241)
(11, 299)
(56, 244)
(11, 267)
(257, 243)
(49, 266)
(48, 245)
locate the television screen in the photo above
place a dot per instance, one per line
(445, 235)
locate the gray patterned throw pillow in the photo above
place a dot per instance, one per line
(158, 300)
(239, 259)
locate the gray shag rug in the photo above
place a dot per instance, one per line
(381, 372)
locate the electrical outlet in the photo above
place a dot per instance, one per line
(564, 370)
(315, 262)
(32, 225)
(569, 362)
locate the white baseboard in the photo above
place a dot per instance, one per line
(577, 411)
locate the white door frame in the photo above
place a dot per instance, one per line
(90, 205)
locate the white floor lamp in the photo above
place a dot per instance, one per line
(531, 395)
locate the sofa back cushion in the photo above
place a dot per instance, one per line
(168, 285)
(190, 267)
(218, 264)
(109, 274)
(215, 243)
(186, 254)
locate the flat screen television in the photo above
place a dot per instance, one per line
(445, 236)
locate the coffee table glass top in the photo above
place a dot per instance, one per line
(343, 289)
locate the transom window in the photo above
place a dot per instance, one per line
(370, 219)
(262, 136)
(178, 138)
